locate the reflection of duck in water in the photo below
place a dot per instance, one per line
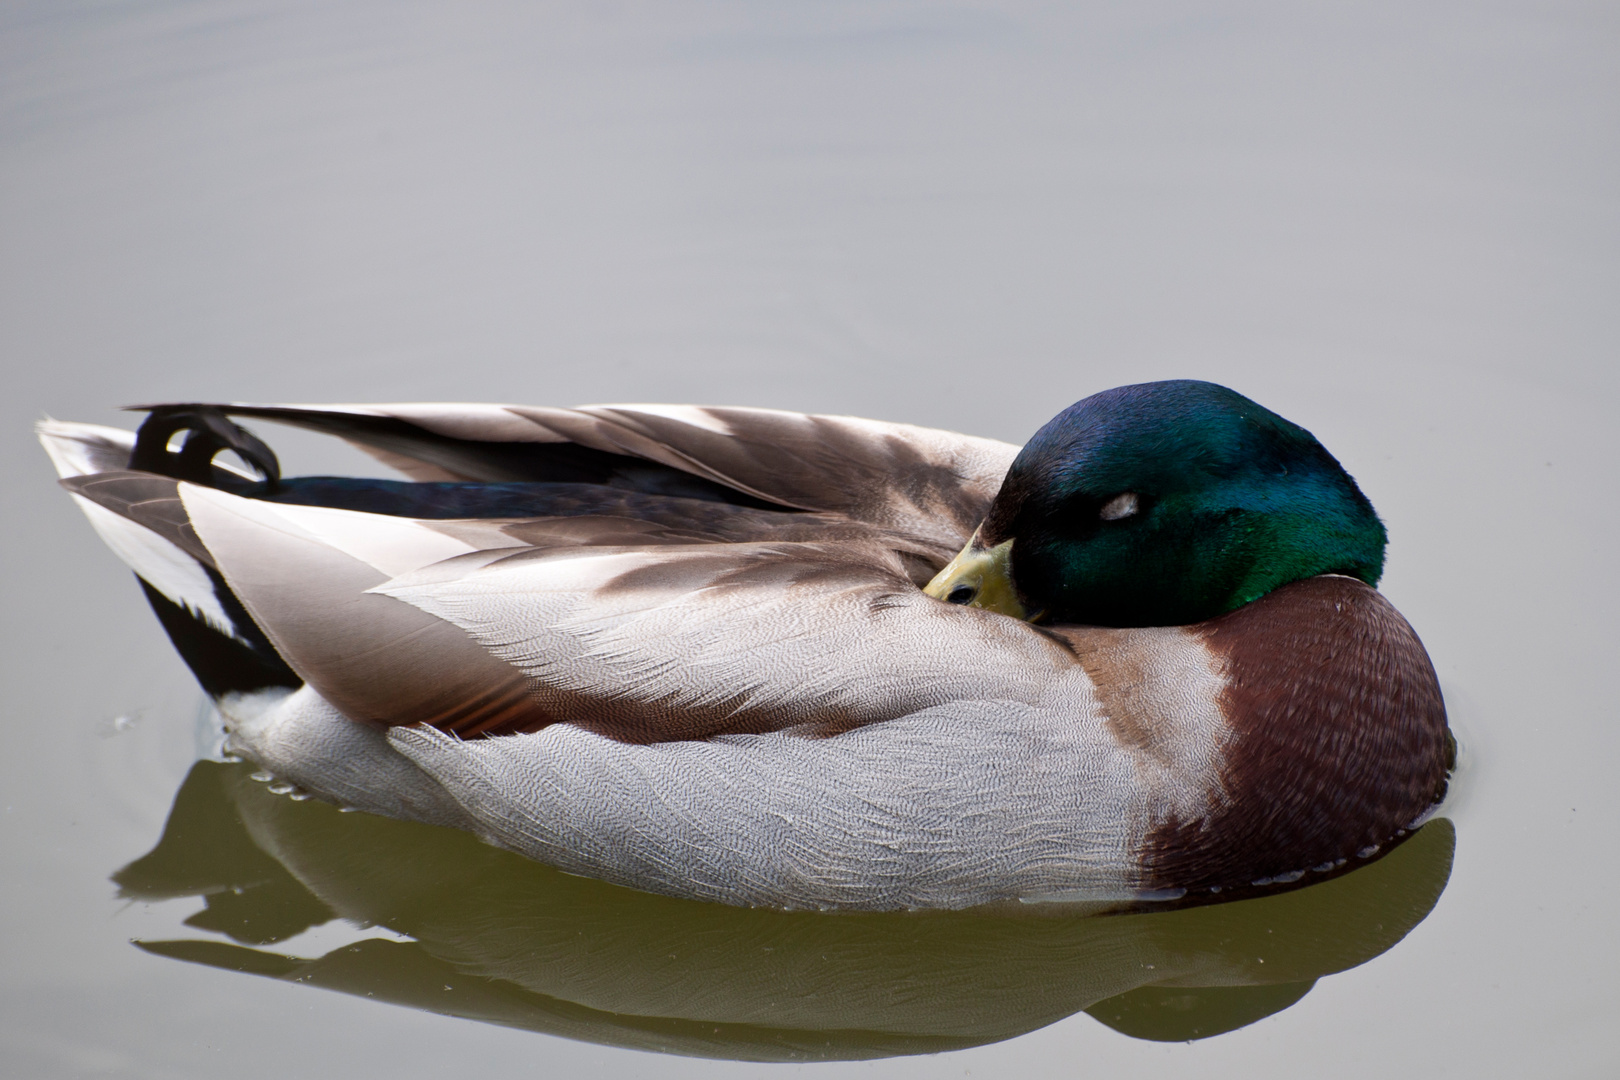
(505, 940)
(685, 649)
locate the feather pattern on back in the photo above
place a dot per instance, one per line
(699, 663)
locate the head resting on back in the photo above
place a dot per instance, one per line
(1163, 503)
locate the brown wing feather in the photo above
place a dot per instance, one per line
(148, 499)
(375, 659)
(934, 485)
(930, 483)
(638, 521)
(693, 641)
(756, 608)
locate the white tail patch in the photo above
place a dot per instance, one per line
(161, 565)
(82, 449)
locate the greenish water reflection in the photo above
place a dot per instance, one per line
(500, 939)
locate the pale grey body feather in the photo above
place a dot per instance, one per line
(951, 807)
(884, 750)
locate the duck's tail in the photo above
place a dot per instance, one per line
(140, 516)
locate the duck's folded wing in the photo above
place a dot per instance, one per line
(930, 483)
(461, 626)
(684, 642)
(302, 575)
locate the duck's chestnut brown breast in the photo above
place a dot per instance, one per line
(1337, 739)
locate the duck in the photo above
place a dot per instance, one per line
(790, 660)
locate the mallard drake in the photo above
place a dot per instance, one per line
(769, 658)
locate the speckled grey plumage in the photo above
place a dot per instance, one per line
(777, 719)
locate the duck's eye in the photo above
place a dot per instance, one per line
(1122, 505)
(962, 594)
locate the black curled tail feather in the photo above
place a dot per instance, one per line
(208, 432)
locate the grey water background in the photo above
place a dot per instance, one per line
(1395, 224)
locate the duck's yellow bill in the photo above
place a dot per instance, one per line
(979, 577)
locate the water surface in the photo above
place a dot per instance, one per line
(1396, 227)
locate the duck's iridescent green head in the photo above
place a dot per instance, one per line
(1163, 503)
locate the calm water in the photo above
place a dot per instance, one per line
(1400, 229)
